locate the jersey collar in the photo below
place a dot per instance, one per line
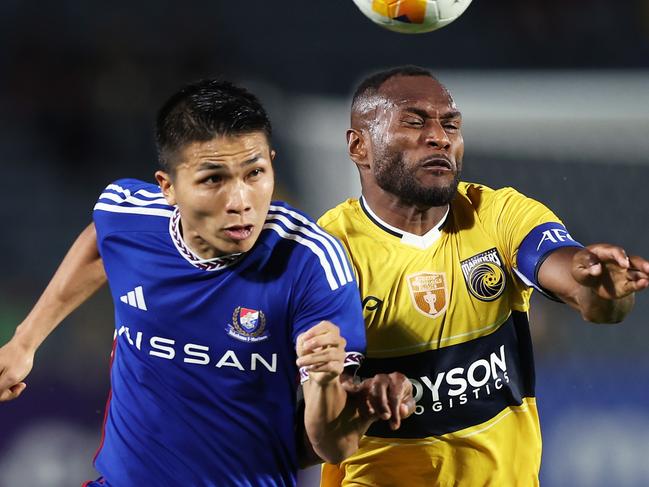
(420, 241)
(215, 264)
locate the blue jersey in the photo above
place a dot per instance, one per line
(203, 374)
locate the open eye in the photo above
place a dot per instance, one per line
(258, 171)
(213, 179)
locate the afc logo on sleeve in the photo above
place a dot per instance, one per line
(554, 235)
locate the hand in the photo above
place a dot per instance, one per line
(321, 350)
(609, 272)
(384, 396)
(16, 362)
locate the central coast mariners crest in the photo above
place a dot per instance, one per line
(428, 292)
(484, 275)
(248, 325)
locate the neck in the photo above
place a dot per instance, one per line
(406, 216)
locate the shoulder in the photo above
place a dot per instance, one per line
(307, 246)
(483, 198)
(130, 202)
(340, 217)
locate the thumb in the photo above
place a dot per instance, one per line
(586, 266)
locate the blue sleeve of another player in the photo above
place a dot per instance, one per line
(539, 243)
(316, 301)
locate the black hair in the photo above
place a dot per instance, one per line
(371, 85)
(203, 110)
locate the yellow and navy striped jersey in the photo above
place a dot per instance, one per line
(447, 310)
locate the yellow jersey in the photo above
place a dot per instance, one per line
(448, 311)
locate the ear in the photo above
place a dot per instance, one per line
(272, 154)
(167, 186)
(357, 147)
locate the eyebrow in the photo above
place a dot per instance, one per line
(208, 165)
(425, 114)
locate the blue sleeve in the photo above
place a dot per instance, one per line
(316, 301)
(538, 244)
(123, 203)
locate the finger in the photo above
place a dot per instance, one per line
(318, 358)
(635, 275)
(323, 342)
(321, 355)
(12, 392)
(585, 265)
(395, 394)
(635, 286)
(379, 398)
(319, 329)
(610, 253)
(369, 407)
(7, 381)
(407, 407)
(640, 264)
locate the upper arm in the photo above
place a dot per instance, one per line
(315, 300)
(544, 260)
(529, 234)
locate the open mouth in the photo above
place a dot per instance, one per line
(238, 232)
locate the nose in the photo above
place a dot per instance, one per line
(435, 136)
(238, 200)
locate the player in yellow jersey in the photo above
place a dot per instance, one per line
(445, 270)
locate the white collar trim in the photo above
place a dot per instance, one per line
(420, 241)
(214, 264)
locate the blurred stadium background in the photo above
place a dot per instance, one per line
(555, 96)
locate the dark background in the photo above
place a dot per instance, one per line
(80, 83)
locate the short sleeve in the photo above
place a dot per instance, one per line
(123, 204)
(528, 232)
(315, 301)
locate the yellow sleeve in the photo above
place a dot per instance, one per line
(332, 475)
(513, 216)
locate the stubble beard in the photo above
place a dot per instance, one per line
(392, 176)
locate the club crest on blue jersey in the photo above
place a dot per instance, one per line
(248, 325)
(484, 275)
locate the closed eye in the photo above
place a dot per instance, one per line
(414, 122)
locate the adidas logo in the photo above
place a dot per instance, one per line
(134, 298)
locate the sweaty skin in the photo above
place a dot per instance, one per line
(407, 144)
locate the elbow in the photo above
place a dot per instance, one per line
(607, 311)
(337, 454)
(612, 316)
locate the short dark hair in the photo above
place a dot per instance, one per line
(203, 110)
(371, 85)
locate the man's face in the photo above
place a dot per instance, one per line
(223, 189)
(416, 141)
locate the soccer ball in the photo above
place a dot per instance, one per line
(412, 16)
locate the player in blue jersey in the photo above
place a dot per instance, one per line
(220, 295)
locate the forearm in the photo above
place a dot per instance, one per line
(79, 276)
(332, 422)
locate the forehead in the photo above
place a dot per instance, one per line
(227, 146)
(419, 91)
